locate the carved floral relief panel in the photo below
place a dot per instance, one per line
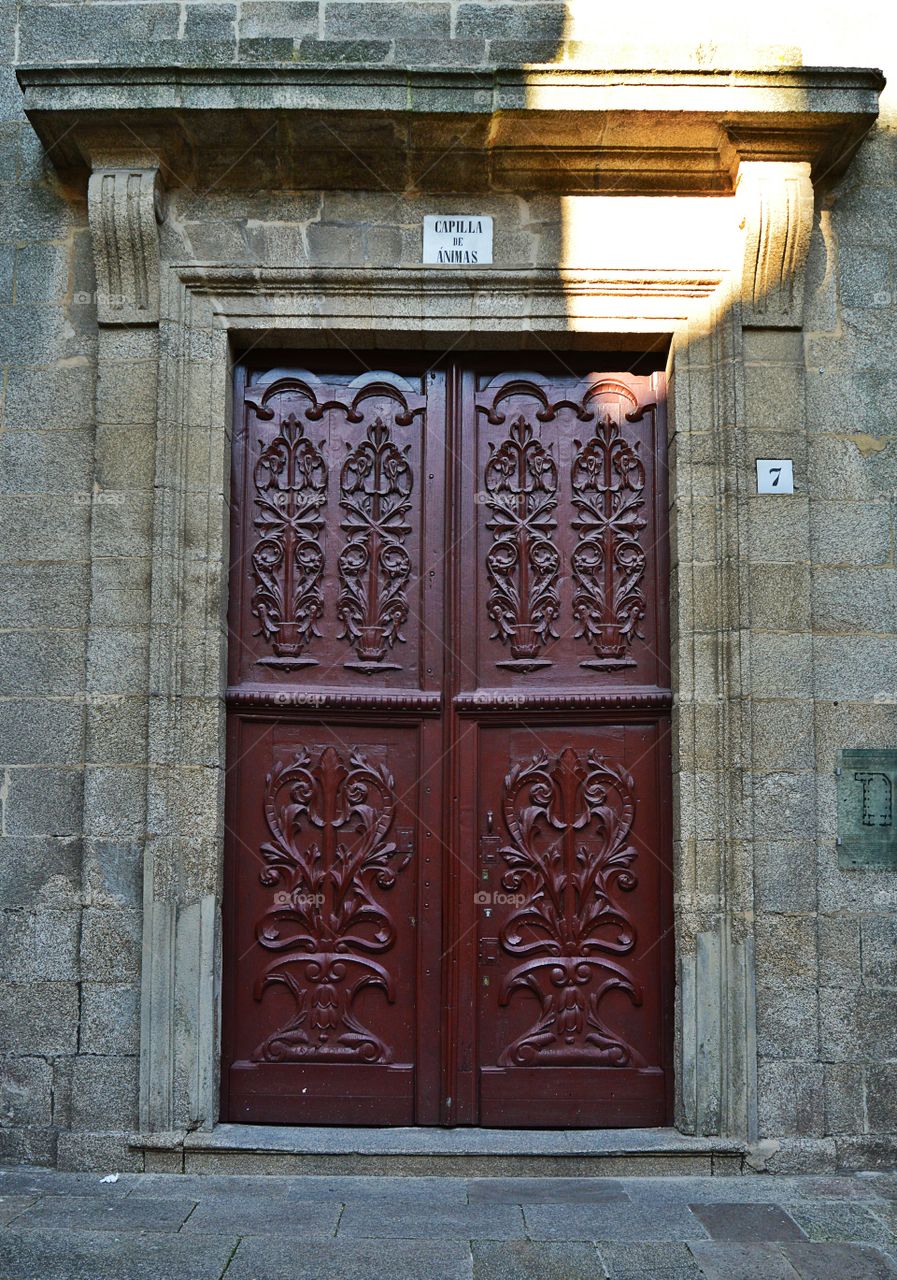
(572, 874)
(324, 878)
(567, 518)
(329, 496)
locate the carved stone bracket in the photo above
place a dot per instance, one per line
(125, 207)
(777, 210)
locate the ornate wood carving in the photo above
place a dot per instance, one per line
(329, 860)
(522, 562)
(608, 561)
(271, 698)
(569, 819)
(125, 206)
(375, 493)
(290, 482)
(509, 701)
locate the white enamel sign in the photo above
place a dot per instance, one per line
(458, 239)
(775, 475)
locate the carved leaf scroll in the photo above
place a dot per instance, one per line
(522, 562)
(290, 480)
(375, 493)
(569, 819)
(608, 560)
(330, 860)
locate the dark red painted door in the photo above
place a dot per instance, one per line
(448, 891)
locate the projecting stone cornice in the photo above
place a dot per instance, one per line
(546, 129)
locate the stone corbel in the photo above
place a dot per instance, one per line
(125, 208)
(776, 202)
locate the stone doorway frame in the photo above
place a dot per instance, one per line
(205, 310)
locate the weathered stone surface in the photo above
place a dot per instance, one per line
(546, 1191)
(46, 462)
(839, 951)
(110, 1017)
(27, 588)
(119, 1213)
(842, 1222)
(254, 1217)
(821, 1261)
(662, 1221)
(104, 1093)
(844, 1097)
(879, 947)
(854, 600)
(293, 19)
(42, 944)
(40, 872)
(351, 1260)
(747, 1223)
(792, 1099)
(851, 533)
(110, 944)
(39, 732)
(785, 875)
(462, 1222)
(39, 1018)
(102, 1255)
(386, 21)
(787, 1020)
(42, 802)
(663, 1261)
(26, 1093)
(747, 1261)
(71, 31)
(543, 23)
(857, 1024)
(525, 1260)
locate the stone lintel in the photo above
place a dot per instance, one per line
(546, 129)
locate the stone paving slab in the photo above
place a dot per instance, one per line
(546, 1191)
(13, 1206)
(745, 1262)
(206, 1186)
(412, 1191)
(525, 1260)
(747, 1223)
(105, 1255)
(666, 1261)
(839, 1262)
(236, 1215)
(400, 1220)
(30, 1180)
(829, 1220)
(90, 1213)
(611, 1222)
(258, 1259)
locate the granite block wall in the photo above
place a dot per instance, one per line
(75, 570)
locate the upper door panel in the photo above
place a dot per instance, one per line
(559, 529)
(338, 506)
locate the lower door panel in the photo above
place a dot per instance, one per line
(323, 894)
(573, 940)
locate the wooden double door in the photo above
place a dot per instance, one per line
(448, 894)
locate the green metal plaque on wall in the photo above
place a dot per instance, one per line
(867, 808)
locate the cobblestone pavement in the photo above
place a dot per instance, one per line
(69, 1226)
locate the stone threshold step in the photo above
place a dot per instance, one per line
(279, 1149)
